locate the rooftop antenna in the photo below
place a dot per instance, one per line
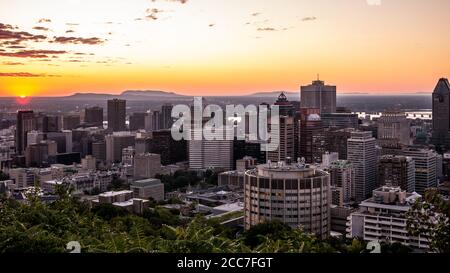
(318, 77)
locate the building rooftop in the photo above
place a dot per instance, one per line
(114, 193)
(146, 182)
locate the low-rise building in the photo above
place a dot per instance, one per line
(148, 188)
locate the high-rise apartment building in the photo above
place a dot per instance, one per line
(361, 152)
(117, 115)
(397, 171)
(318, 95)
(291, 193)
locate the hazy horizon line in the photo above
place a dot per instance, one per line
(261, 93)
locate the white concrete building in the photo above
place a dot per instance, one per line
(382, 218)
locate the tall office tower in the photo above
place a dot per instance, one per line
(397, 171)
(146, 165)
(117, 115)
(51, 124)
(441, 115)
(99, 150)
(137, 121)
(69, 142)
(286, 108)
(394, 126)
(342, 175)
(128, 155)
(37, 155)
(286, 145)
(291, 193)
(171, 151)
(94, 115)
(311, 136)
(148, 120)
(361, 152)
(425, 167)
(210, 154)
(336, 141)
(71, 121)
(115, 144)
(25, 124)
(34, 137)
(156, 120)
(318, 95)
(166, 116)
(60, 138)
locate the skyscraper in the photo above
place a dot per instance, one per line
(166, 116)
(94, 115)
(441, 115)
(425, 167)
(115, 144)
(210, 154)
(318, 95)
(137, 121)
(361, 152)
(342, 175)
(286, 129)
(394, 126)
(311, 138)
(397, 171)
(25, 124)
(117, 115)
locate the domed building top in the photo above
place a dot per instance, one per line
(313, 117)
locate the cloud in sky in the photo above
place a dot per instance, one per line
(309, 18)
(25, 75)
(77, 40)
(44, 20)
(266, 29)
(8, 33)
(41, 28)
(33, 53)
(179, 1)
(12, 63)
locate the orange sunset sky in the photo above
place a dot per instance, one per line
(221, 47)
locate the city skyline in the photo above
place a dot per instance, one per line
(214, 48)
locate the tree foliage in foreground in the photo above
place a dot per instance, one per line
(39, 227)
(431, 216)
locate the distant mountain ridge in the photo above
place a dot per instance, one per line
(128, 94)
